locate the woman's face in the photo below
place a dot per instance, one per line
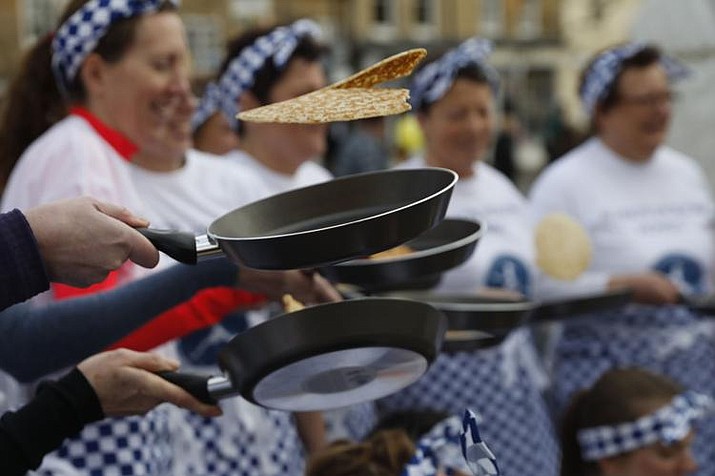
(138, 94)
(655, 460)
(458, 128)
(293, 144)
(638, 123)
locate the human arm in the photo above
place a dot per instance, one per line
(311, 430)
(22, 274)
(77, 241)
(71, 330)
(82, 239)
(108, 384)
(647, 287)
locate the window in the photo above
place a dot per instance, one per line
(425, 20)
(205, 37)
(424, 12)
(492, 18)
(39, 18)
(251, 10)
(384, 20)
(528, 24)
(383, 12)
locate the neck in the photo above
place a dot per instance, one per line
(261, 151)
(154, 163)
(627, 151)
(433, 159)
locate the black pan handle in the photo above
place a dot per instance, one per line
(196, 385)
(179, 245)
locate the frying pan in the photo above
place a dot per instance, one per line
(326, 356)
(478, 322)
(444, 247)
(321, 224)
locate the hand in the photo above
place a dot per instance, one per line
(306, 287)
(81, 240)
(126, 384)
(648, 288)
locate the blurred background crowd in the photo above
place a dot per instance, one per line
(540, 47)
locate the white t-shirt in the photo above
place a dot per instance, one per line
(504, 255)
(71, 160)
(655, 215)
(192, 197)
(273, 182)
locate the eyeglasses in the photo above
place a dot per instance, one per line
(665, 98)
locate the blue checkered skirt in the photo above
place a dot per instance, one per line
(116, 446)
(246, 440)
(503, 385)
(670, 340)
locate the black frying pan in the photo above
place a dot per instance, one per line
(326, 356)
(321, 224)
(444, 247)
(478, 322)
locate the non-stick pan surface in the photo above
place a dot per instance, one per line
(329, 356)
(444, 247)
(326, 223)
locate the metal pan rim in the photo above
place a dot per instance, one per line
(413, 204)
(467, 240)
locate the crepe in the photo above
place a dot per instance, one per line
(389, 69)
(563, 248)
(332, 105)
(291, 304)
(350, 99)
(400, 250)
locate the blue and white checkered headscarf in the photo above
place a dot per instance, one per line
(240, 74)
(452, 446)
(433, 81)
(79, 35)
(603, 71)
(667, 425)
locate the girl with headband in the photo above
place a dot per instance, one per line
(648, 212)
(123, 67)
(266, 66)
(454, 100)
(632, 422)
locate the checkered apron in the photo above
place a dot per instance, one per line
(246, 440)
(500, 384)
(670, 340)
(116, 447)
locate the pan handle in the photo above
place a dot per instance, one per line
(196, 385)
(178, 244)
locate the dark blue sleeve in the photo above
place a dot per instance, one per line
(22, 274)
(71, 330)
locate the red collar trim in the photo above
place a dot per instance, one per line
(116, 139)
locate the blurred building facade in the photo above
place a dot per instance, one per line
(540, 44)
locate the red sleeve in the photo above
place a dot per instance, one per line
(205, 309)
(63, 291)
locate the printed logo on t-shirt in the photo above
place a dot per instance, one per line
(683, 271)
(509, 272)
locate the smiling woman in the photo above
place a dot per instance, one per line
(111, 73)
